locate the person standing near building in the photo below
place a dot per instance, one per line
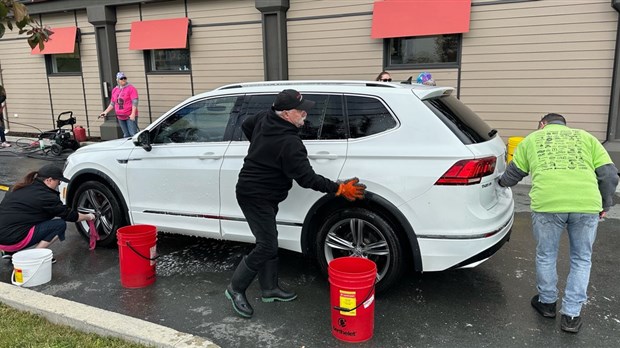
(276, 157)
(573, 183)
(125, 104)
(3, 142)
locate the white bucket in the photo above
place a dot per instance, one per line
(32, 267)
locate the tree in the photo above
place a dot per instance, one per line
(14, 14)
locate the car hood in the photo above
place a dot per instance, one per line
(107, 145)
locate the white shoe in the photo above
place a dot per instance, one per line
(5, 144)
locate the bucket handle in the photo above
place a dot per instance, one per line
(26, 282)
(342, 309)
(142, 256)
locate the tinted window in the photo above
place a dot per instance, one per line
(253, 104)
(202, 121)
(325, 120)
(461, 120)
(368, 116)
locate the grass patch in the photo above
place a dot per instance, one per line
(23, 329)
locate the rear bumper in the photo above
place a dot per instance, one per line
(485, 254)
(439, 254)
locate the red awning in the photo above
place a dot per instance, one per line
(159, 34)
(399, 18)
(61, 41)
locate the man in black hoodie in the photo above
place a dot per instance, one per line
(276, 157)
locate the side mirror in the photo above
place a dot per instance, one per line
(143, 139)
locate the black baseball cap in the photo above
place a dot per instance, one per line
(51, 171)
(290, 99)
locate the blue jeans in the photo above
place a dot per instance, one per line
(47, 230)
(129, 127)
(547, 229)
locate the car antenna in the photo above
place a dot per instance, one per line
(409, 80)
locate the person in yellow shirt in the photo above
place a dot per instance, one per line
(573, 183)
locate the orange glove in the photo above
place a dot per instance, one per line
(351, 189)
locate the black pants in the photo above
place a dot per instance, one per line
(261, 216)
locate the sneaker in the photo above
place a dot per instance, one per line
(547, 310)
(5, 144)
(571, 324)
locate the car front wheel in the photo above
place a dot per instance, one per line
(93, 195)
(361, 233)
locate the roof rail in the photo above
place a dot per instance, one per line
(309, 82)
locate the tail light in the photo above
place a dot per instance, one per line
(468, 172)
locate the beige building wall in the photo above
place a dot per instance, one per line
(30, 95)
(339, 46)
(226, 44)
(221, 52)
(334, 47)
(523, 60)
(24, 77)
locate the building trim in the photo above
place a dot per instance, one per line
(501, 2)
(275, 38)
(73, 5)
(342, 15)
(224, 24)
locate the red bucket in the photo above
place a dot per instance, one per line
(352, 294)
(137, 250)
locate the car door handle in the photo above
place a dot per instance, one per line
(323, 155)
(209, 155)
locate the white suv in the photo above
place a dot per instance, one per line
(429, 162)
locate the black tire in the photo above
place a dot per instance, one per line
(56, 150)
(97, 196)
(379, 243)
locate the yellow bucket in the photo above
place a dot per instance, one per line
(512, 145)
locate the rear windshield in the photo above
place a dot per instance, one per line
(461, 120)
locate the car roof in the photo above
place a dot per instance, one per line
(339, 86)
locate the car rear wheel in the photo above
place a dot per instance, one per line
(361, 233)
(93, 195)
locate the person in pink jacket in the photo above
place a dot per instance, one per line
(125, 104)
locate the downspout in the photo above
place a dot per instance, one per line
(612, 140)
(614, 103)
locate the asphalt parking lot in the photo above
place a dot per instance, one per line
(487, 306)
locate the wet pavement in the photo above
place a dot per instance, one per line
(487, 306)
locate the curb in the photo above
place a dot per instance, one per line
(102, 322)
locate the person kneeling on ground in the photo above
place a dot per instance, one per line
(28, 212)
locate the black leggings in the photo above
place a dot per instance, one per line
(261, 216)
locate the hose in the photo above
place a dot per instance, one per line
(25, 147)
